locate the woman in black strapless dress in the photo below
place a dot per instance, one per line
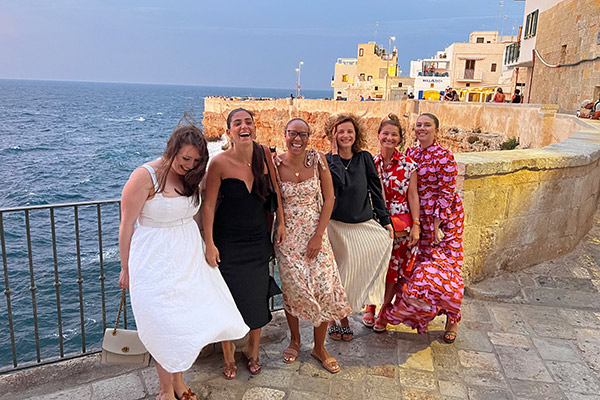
(235, 228)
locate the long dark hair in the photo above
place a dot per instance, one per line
(181, 136)
(258, 159)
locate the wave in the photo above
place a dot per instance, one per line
(141, 119)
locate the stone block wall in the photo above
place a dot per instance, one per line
(522, 206)
(567, 33)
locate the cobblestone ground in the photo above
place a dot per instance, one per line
(530, 335)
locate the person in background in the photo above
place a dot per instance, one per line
(163, 264)
(517, 98)
(399, 178)
(435, 285)
(310, 280)
(362, 246)
(236, 230)
(499, 97)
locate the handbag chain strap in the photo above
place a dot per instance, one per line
(121, 305)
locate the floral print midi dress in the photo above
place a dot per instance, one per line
(311, 287)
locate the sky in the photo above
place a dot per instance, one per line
(232, 43)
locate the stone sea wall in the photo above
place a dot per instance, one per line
(522, 207)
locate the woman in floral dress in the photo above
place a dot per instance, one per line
(399, 179)
(435, 285)
(309, 276)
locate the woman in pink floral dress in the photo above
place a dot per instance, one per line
(309, 276)
(435, 285)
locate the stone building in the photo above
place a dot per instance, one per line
(369, 74)
(475, 64)
(567, 65)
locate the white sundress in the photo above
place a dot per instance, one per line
(180, 303)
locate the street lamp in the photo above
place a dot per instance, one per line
(298, 78)
(387, 69)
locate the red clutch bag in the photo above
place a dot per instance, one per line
(401, 224)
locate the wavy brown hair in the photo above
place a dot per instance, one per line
(392, 119)
(181, 136)
(335, 120)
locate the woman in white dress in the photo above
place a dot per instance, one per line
(163, 263)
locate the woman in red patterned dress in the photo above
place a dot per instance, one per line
(399, 179)
(435, 285)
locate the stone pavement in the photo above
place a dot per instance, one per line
(534, 334)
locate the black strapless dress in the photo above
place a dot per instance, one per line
(241, 234)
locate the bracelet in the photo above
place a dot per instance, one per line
(416, 222)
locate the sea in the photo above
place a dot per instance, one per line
(67, 142)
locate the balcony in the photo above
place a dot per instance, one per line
(470, 75)
(512, 53)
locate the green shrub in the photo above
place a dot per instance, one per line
(478, 130)
(509, 144)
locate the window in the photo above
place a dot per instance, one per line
(362, 76)
(345, 78)
(361, 52)
(468, 85)
(382, 72)
(493, 67)
(531, 24)
(376, 88)
(470, 64)
(479, 40)
(400, 84)
(369, 78)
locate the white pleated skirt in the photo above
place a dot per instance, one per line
(362, 252)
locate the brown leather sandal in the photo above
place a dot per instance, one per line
(254, 365)
(229, 371)
(290, 354)
(330, 363)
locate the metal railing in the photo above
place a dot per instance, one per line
(82, 296)
(15, 215)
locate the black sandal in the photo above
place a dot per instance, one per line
(334, 330)
(345, 331)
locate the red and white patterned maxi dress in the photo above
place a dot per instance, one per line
(395, 178)
(436, 278)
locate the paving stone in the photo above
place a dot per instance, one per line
(474, 310)
(263, 393)
(150, 380)
(417, 380)
(316, 371)
(125, 387)
(561, 298)
(387, 371)
(453, 389)
(499, 288)
(221, 389)
(473, 340)
(509, 320)
(480, 393)
(509, 339)
(420, 359)
(351, 373)
(573, 377)
(415, 394)
(308, 395)
(581, 318)
(481, 369)
(80, 393)
(557, 349)
(379, 387)
(314, 385)
(580, 284)
(588, 342)
(536, 390)
(579, 396)
(345, 389)
(525, 279)
(275, 378)
(522, 363)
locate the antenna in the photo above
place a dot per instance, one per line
(375, 33)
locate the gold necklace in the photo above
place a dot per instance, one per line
(348, 166)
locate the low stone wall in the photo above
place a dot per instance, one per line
(522, 207)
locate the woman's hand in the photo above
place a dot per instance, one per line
(314, 246)
(390, 229)
(124, 279)
(212, 255)
(280, 234)
(415, 232)
(334, 145)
